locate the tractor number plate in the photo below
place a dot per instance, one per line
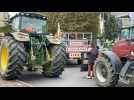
(72, 49)
(75, 55)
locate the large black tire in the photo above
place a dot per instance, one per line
(57, 64)
(16, 58)
(65, 54)
(106, 78)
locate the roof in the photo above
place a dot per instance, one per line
(120, 14)
(29, 14)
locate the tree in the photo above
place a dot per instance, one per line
(111, 26)
(73, 21)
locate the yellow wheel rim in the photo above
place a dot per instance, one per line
(4, 58)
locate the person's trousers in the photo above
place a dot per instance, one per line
(90, 70)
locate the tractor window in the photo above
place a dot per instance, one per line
(38, 25)
(87, 36)
(15, 24)
(125, 33)
(72, 36)
(80, 36)
(132, 31)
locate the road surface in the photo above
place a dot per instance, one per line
(71, 77)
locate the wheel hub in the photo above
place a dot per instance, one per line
(101, 72)
(4, 59)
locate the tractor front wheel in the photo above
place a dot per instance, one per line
(12, 58)
(104, 73)
(56, 66)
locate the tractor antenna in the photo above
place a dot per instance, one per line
(58, 30)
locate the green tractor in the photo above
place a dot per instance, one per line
(30, 47)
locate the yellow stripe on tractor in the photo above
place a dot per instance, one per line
(4, 59)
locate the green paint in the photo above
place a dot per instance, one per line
(108, 44)
(5, 29)
(38, 52)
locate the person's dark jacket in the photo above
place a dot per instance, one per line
(92, 55)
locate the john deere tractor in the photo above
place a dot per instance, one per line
(30, 47)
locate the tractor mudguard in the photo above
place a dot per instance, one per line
(53, 40)
(19, 36)
(115, 61)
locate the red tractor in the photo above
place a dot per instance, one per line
(78, 46)
(117, 65)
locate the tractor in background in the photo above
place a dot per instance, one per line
(78, 46)
(116, 65)
(30, 47)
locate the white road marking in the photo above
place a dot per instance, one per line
(27, 84)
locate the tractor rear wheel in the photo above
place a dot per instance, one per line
(104, 73)
(12, 58)
(56, 66)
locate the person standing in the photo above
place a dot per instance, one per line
(92, 55)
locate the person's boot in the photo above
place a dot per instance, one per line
(91, 74)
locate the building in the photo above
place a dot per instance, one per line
(120, 14)
(3, 18)
(127, 23)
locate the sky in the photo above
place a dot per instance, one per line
(12, 13)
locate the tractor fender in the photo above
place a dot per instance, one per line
(53, 40)
(20, 36)
(114, 59)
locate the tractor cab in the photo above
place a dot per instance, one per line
(124, 47)
(29, 22)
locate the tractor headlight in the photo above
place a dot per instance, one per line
(132, 53)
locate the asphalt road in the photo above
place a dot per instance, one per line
(71, 77)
